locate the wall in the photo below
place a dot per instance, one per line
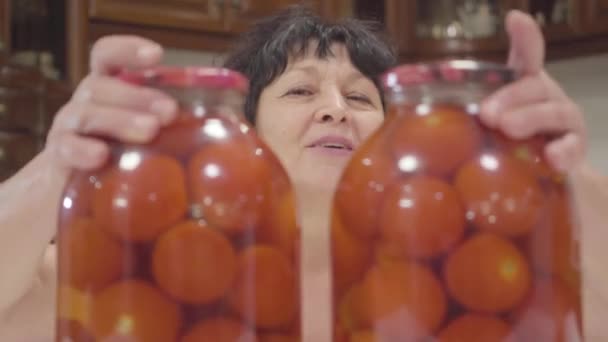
(586, 80)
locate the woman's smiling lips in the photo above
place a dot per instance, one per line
(333, 145)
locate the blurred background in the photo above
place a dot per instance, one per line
(44, 46)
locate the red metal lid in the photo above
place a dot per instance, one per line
(187, 77)
(450, 71)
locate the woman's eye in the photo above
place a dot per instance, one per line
(359, 98)
(299, 92)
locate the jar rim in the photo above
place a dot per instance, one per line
(452, 71)
(187, 77)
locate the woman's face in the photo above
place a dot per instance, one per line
(315, 114)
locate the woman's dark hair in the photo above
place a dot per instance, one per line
(263, 52)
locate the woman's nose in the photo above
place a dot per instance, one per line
(332, 111)
(332, 117)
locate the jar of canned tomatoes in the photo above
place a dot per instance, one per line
(191, 237)
(446, 230)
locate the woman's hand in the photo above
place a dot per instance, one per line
(105, 106)
(101, 106)
(535, 103)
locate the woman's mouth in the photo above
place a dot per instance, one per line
(333, 145)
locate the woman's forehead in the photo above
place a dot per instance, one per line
(310, 58)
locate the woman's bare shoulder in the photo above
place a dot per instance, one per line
(33, 317)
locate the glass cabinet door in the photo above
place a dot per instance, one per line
(458, 19)
(558, 18)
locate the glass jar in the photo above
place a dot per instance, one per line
(191, 237)
(444, 229)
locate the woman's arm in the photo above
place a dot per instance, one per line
(590, 190)
(29, 201)
(32, 318)
(28, 214)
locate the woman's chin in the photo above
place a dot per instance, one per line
(320, 181)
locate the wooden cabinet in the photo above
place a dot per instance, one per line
(209, 25)
(447, 27)
(29, 99)
(436, 29)
(242, 13)
(28, 102)
(5, 37)
(596, 16)
(222, 16)
(16, 150)
(208, 15)
(560, 19)
(422, 29)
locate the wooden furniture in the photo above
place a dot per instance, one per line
(28, 102)
(5, 37)
(596, 15)
(209, 25)
(583, 29)
(212, 25)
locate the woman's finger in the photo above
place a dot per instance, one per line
(565, 153)
(103, 90)
(80, 153)
(542, 117)
(114, 122)
(115, 52)
(525, 91)
(527, 47)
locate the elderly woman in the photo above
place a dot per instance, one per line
(308, 79)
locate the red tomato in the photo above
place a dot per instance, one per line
(351, 256)
(72, 331)
(365, 336)
(229, 182)
(89, 258)
(340, 334)
(135, 311)
(553, 246)
(439, 138)
(189, 133)
(353, 309)
(280, 225)
(74, 305)
(266, 292)
(422, 217)
(77, 197)
(476, 328)
(141, 197)
(220, 330)
(399, 300)
(363, 186)
(194, 263)
(274, 337)
(500, 195)
(529, 153)
(487, 274)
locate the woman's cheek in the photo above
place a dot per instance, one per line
(369, 123)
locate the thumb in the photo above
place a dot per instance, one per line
(527, 45)
(112, 53)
